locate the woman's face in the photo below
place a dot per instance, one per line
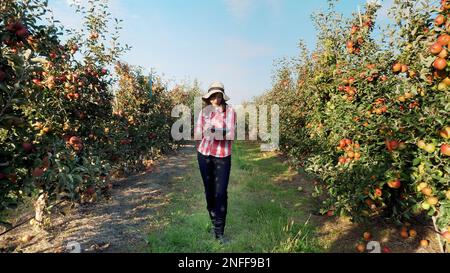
(216, 99)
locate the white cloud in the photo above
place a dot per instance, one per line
(246, 49)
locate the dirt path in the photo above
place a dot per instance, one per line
(115, 225)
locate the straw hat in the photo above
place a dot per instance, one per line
(216, 87)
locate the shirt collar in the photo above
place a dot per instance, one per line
(218, 109)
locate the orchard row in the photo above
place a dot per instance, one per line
(71, 114)
(371, 113)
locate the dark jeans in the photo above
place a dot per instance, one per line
(215, 173)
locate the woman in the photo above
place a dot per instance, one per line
(216, 125)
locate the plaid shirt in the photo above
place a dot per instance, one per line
(219, 146)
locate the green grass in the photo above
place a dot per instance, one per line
(261, 216)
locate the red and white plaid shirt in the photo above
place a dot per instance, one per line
(209, 145)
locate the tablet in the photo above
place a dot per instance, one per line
(226, 130)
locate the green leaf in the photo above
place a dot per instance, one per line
(417, 161)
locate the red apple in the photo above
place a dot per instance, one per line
(2, 75)
(378, 192)
(10, 27)
(424, 243)
(394, 144)
(37, 172)
(432, 201)
(90, 190)
(18, 28)
(350, 44)
(397, 67)
(427, 191)
(361, 248)
(446, 235)
(347, 141)
(368, 23)
(74, 49)
(391, 145)
(445, 5)
(404, 234)
(74, 140)
(440, 64)
(93, 36)
(76, 143)
(394, 184)
(28, 147)
(445, 149)
(444, 39)
(440, 20)
(360, 41)
(443, 54)
(445, 133)
(36, 81)
(404, 68)
(12, 177)
(23, 33)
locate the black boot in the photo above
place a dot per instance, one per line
(219, 230)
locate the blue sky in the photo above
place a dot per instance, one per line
(233, 41)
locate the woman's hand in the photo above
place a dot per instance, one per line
(208, 131)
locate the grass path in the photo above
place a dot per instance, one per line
(264, 211)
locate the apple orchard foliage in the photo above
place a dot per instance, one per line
(142, 121)
(62, 130)
(371, 117)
